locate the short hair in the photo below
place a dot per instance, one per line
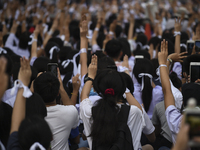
(24, 39)
(40, 64)
(113, 48)
(47, 86)
(104, 62)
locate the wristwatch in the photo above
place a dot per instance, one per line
(88, 79)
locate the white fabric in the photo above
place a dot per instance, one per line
(8, 98)
(141, 75)
(61, 120)
(35, 145)
(16, 49)
(2, 146)
(174, 118)
(3, 51)
(135, 122)
(177, 68)
(52, 50)
(149, 128)
(18, 84)
(95, 48)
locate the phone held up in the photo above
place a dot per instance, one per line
(52, 67)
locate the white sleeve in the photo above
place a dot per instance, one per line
(9, 43)
(149, 128)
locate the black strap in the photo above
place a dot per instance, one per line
(124, 113)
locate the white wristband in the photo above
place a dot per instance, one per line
(96, 29)
(18, 84)
(162, 65)
(111, 33)
(50, 32)
(83, 50)
(177, 33)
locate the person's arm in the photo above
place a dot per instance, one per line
(64, 97)
(132, 101)
(131, 27)
(19, 109)
(84, 45)
(34, 44)
(164, 76)
(76, 85)
(9, 41)
(96, 30)
(177, 28)
(92, 70)
(4, 77)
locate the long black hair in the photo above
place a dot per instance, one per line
(144, 66)
(104, 112)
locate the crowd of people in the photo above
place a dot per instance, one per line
(98, 75)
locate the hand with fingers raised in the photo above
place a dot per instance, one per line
(76, 83)
(25, 71)
(163, 54)
(175, 57)
(177, 25)
(83, 26)
(92, 70)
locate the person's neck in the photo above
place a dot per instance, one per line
(51, 104)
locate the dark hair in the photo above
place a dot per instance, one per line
(104, 113)
(170, 47)
(175, 80)
(47, 49)
(47, 86)
(113, 48)
(118, 31)
(56, 40)
(64, 51)
(34, 129)
(24, 39)
(35, 106)
(144, 66)
(99, 54)
(5, 122)
(40, 64)
(141, 38)
(155, 66)
(188, 60)
(155, 41)
(143, 53)
(125, 47)
(5, 37)
(104, 62)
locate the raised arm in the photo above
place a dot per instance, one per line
(177, 33)
(92, 70)
(131, 27)
(76, 85)
(164, 76)
(20, 103)
(94, 37)
(84, 45)
(34, 44)
(4, 77)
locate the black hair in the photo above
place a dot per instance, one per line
(118, 31)
(141, 38)
(34, 129)
(155, 41)
(47, 86)
(129, 82)
(155, 66)
(56, 40)
(40, 64)
(5, 37)
(104, 113)
(143, 53)
(113, 48)
(105, 62)
(170, 47)
(9, 63)
(175, 80)
(125, 47)
(144, 66)
(35, 106)
(5, 122)
(188, 60)
(100, 39)
(99, 54)
(184, 36)
(56, 50)
(63, 53)
(24, 39)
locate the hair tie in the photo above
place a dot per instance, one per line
(3, 51)
(141, 75)
(109, 91)
(35, 145)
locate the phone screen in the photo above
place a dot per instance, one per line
(52, 67)
(193, 119)
(195, 73)
(197, 46)
(190, 48)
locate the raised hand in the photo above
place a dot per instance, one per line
(76, 83)
(175, 57)
(177, 25)
(25, 71)
(162, 55)
(92, 70)
(83, 26)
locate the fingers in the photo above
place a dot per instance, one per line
(125, 58)
(166, 46)
(58, 70)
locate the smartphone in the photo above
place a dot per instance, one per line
(197, 46)
(52, 67)
(194, 71)
(190, 45)
(192, 118)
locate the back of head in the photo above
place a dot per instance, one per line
(141, 41)
(125, 47)
(143, 71)
(34, 129)
(64, 51)
(105, 62)
(175, 80)
(5, 122)
(56, 40)
(118, 31)
(104, 113)
(142, 53)
(24, 39)
(113, 48)
(51, 50)
(188, 60)
(40, 64)
(47, 86)
(35, 106)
